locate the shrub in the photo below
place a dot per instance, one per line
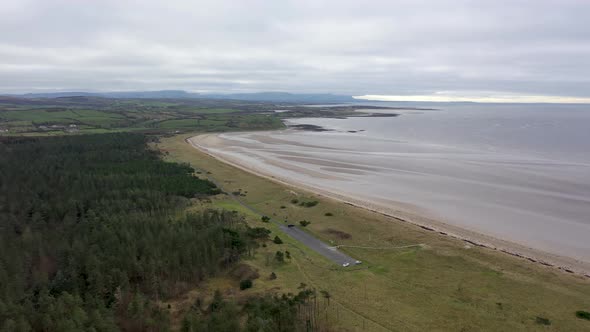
(306, 204)
(287, 254)
(258, 233)
(244, 271)
(277, 240)
(283, 207)
(265, 218)
(328, 214)
(294, 201)
(542, 321)
(245, 284)
(215, 191)
(583, 314)
(279, 256)
(272, 276)
(304, 223)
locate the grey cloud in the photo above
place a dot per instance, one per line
(353, 47)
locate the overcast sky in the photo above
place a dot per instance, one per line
(465, 49)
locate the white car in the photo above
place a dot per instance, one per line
(357, 262)
(345, 264)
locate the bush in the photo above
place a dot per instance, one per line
(265, 218)
(280, 257)
(306, 204)
(304, 223)
(272, 276)
(328, 214)
(583, 314)
(311, 204)
(245, 284)
(277, 240)
(215, 191)
(283, 207)
(542, 321)
(244, 271)
(258, 233)
(294, 201)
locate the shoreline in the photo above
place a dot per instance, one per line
(472, 238)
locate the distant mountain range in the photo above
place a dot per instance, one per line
(180, 94)
(285, 97)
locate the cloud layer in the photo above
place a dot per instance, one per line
(471, 48)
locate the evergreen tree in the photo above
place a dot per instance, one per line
(86, 236)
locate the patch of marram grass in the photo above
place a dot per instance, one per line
(439, 286)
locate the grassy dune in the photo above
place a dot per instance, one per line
(442, 285)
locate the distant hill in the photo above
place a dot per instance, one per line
(277, 97)
(284, 97)
(130, 94)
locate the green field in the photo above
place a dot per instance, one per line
(224, 123)
(211, 110)
(441, 285)
(31, 119)
(80, 115)
(77, 115)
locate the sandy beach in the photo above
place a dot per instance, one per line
(225, 150)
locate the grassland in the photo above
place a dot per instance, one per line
(220, 123)
(442, 285)
(76, 115)
(79, 115)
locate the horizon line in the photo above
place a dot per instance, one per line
(498, 99)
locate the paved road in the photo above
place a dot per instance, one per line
(295, 232)
(318, 246)
(305, 238)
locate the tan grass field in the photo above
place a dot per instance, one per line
(444, 285)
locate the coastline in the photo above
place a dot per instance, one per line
(471, 238)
